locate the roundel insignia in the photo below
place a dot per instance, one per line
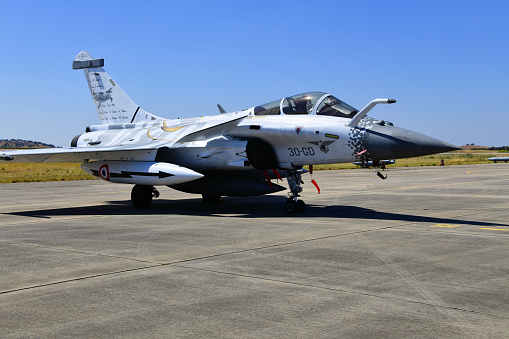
(104, 172)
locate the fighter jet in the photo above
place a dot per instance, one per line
(228, 154)
(495, 159)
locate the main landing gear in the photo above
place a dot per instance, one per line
(293, 204)
(141, 196)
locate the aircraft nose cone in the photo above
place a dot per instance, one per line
(389, 142)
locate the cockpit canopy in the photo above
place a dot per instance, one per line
(318, 103)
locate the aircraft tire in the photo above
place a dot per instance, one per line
(301, 206)
(141, 196)
(293, 207)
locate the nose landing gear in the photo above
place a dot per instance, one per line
(293, 204)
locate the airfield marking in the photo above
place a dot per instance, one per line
(488, 175)
(482, 228)
(445, 225)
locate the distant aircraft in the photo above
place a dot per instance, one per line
(495, 159)
(228, 154)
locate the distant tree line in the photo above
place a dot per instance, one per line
(501, 148)
(492, 148)
(19, 143)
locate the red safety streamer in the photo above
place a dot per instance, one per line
(268, 179)
(316, 185)
(277, 174)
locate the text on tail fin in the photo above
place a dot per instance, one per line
(113, 105)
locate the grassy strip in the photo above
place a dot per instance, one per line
(36, 172)
(30, 172)
(494, 152)
(428, 160)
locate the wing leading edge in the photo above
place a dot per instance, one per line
(81, 154)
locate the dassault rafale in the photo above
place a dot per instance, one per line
(234, 154)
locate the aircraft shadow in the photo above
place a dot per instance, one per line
(253, 207)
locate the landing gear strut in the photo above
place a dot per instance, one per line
(141, 196)
(293, 204)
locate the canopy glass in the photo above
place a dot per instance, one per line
(307, 103)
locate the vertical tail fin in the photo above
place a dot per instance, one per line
(113, 105)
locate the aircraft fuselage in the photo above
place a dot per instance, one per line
(227, 154)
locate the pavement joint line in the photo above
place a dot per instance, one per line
(343, 291)
(256, 248)
(252, 277)
(465, 233)
(154, 264)
(409, 279)
(76, 251)
(77, 279)
(42, 220)
(193, 259)
(288, 243)
(233, 252)
(481, 212)
(179, 262)
(308, 240)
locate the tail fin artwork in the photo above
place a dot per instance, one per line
(113, 105)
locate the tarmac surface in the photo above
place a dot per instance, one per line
(423, 254)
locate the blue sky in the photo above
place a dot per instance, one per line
(446, 62)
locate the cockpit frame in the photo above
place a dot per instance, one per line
(310, 103)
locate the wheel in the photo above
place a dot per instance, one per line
(141, 196)
(301, 206)
(211, 199)
(295, 207)
(291, 206)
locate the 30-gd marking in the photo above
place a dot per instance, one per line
(445, 225)
(297, 152)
